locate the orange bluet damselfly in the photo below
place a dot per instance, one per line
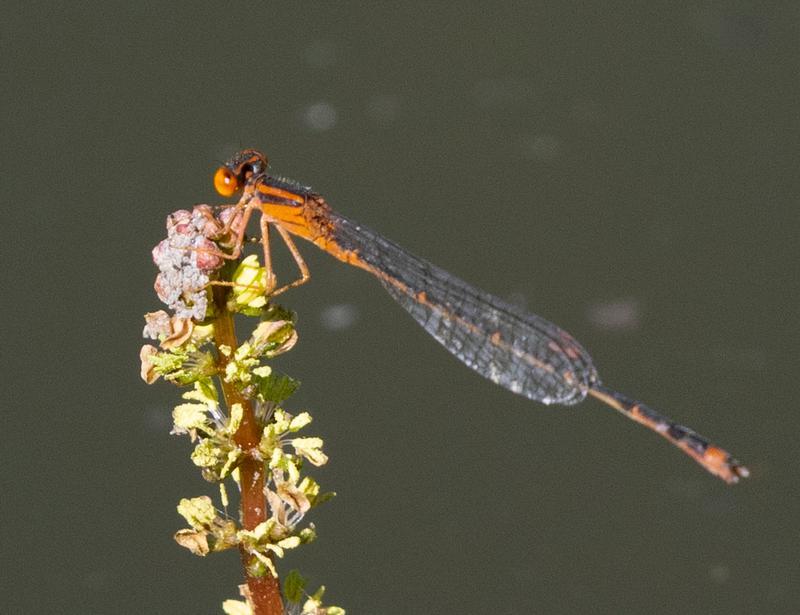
(516, 349)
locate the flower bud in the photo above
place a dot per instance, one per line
(250, 284)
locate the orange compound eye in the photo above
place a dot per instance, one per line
(225, 182)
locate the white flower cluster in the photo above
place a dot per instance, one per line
(185, 259)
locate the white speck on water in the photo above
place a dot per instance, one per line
(719, 573)
(339, 317)
(320, 116)
(620, 315)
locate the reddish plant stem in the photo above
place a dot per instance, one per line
(265, 591)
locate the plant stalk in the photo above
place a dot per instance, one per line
(265, 591)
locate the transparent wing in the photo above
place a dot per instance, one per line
(515, 349)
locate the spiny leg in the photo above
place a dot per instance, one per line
(305, 274)
(269, 275)
(239, 241)
(271, 280)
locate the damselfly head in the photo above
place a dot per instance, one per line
(234, 174)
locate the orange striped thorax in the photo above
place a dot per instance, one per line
(293, 206)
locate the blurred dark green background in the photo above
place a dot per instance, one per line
(628, 170)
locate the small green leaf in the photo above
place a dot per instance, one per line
(294, 586)
(277, 312)
(275, 387)
(254, 312)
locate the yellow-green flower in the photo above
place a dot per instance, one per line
(311, 449)
(250, 284)
(198, 512)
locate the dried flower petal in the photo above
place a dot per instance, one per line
(276, 506)
(180, 330)
(293, 496)
(195, 541)
(273, 337)
(148, 370)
